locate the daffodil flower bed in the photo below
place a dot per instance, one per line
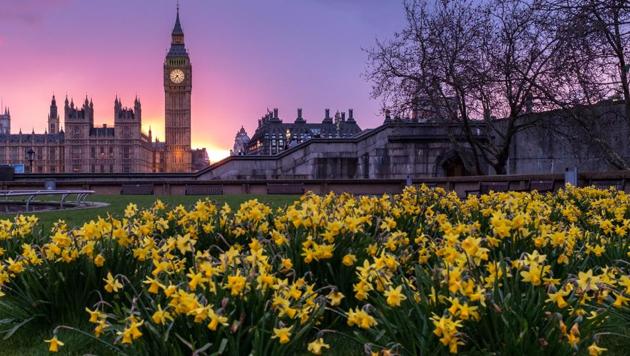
(423, 272)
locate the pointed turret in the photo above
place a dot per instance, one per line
(137, 109)
(53, 116)
(5, 122)
(178, 47)
(177, 30)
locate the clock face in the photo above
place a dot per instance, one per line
(177, 76)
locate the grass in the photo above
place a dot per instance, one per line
(29, 341)
(118, 203)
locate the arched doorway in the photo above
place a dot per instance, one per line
(451, 164)
(454, 167)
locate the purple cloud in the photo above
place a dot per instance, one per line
(28, 11)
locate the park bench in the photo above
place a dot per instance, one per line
(136, 189)
(607, 183)
(204, 189)
(286, 188)
(542, 186)
(487, 187)
(28, 197)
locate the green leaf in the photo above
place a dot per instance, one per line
(17, 327)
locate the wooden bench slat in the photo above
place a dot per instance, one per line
(487, 187)
(204, 189)
(607, 183)
(542, 186)
(285, 188)
(136, 189)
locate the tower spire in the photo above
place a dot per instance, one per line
(178, 33)
(177, 30)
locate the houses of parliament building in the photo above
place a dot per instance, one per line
(80, 146)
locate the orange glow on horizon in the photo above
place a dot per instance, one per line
(120, 51)
(215, 153)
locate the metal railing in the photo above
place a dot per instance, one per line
(30, 195)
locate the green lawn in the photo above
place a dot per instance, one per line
(117, 204)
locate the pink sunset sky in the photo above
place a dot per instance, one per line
(247, 56)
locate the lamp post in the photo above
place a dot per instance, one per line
(30, 154)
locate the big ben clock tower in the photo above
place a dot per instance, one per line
(177, 89)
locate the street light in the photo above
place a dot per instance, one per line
(30, 154)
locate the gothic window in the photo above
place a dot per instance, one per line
(76, 153)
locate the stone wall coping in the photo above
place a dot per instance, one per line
(159, 178)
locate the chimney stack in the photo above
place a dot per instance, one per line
(299, 119)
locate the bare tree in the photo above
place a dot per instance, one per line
(591, 66)
(473, 62)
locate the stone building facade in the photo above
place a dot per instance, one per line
(123, 148)
(395, 150)
(273, 136)
(557, 141)
(80, 146)
(416, 148)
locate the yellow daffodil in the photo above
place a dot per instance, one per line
(316, 347)
(394, 296)
(54, 344)
(111, 284)
(282, 334)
